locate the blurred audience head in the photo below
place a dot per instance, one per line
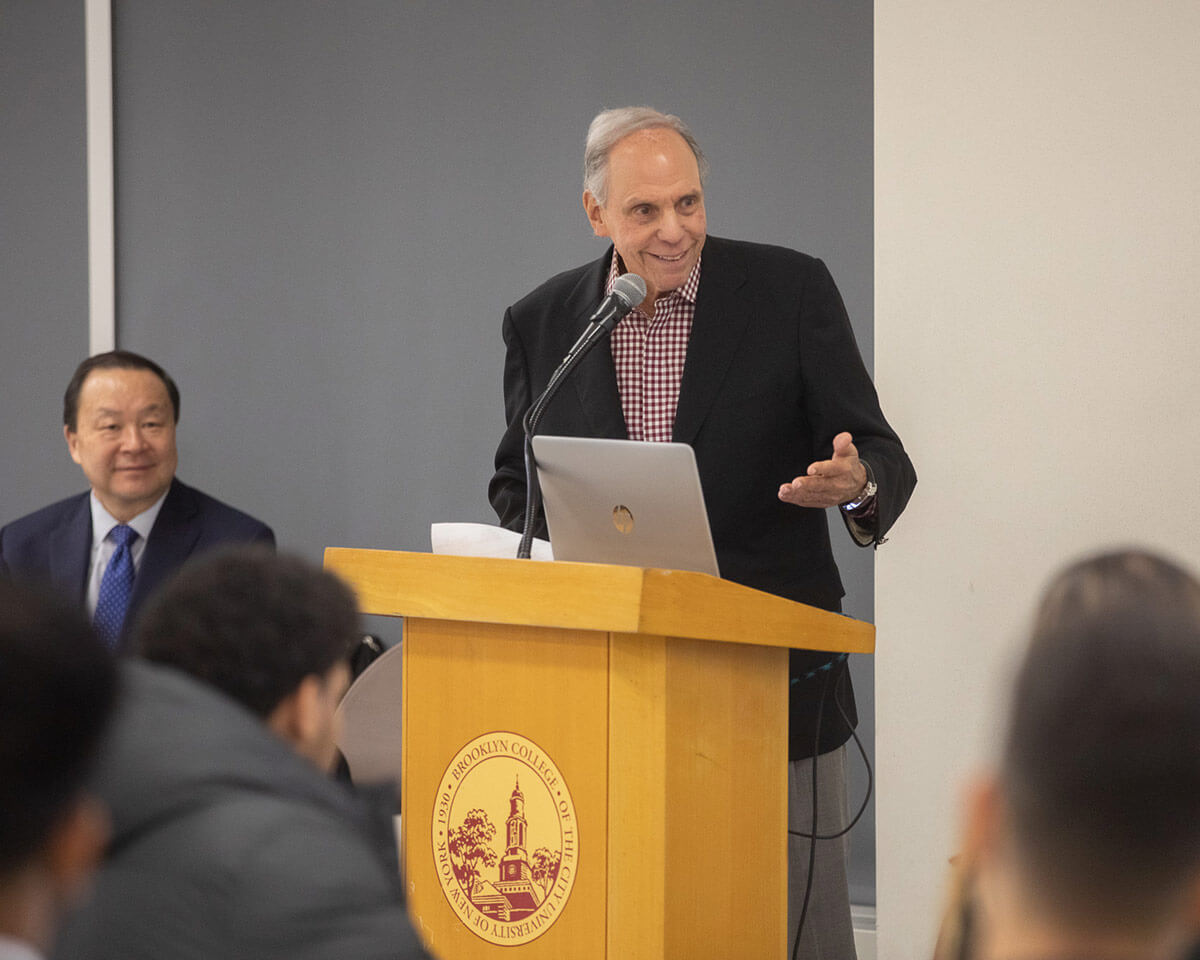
(274, 633)
(57, 690)
(1089, 835)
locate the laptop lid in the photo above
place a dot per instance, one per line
(626, 502)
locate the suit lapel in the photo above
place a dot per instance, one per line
(596, 376)
(171, 542)
(71, 549)
(722, 312)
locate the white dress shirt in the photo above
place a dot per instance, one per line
(103, 549)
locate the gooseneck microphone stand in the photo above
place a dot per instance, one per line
(628, 291)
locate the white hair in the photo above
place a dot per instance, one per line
(611, 126)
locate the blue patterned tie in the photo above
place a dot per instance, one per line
(116, 587)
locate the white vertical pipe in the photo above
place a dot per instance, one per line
(102, 320)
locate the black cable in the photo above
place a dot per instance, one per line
(870, 777)
(814, 836)
(812, 844)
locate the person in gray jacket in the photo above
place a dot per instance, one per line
(228, 840)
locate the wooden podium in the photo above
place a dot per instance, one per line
(623, 734)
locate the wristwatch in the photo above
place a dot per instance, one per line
(868, 491)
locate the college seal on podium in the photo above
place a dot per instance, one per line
(505, 838)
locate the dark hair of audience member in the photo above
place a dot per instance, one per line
(1102, 760)
(58, 687)
(113, 360)
(250, 623)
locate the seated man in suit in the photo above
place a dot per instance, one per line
(111, 547)
(57, 689)
(1086, 843)
(228, 838)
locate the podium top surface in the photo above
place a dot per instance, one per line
(589, 596)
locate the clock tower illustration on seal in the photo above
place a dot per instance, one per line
(519, 895)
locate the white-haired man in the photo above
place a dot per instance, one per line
(745, 352)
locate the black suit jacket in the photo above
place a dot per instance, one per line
(772, 374)
(53, 545)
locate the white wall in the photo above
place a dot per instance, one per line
(1037, 312)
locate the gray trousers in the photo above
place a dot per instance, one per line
(828, 933)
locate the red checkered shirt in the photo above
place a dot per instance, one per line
(649, 356)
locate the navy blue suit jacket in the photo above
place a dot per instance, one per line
(52, 546)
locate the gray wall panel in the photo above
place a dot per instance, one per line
(323, 210)
(43, 257)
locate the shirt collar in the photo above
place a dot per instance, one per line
(686, 292)
(103, 521)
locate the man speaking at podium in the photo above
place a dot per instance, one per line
(745, 352)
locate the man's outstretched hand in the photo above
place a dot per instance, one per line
(828, 483)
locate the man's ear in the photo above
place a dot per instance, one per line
(297, 717)
(983, 821)
(72, 439)
(595, 214)
(77, 845)
(310, 708)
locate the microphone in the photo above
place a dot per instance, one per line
(628, 291)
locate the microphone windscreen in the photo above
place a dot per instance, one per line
(630, 288)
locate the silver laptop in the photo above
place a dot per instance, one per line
(624, 501)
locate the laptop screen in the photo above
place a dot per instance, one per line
(625, 502)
